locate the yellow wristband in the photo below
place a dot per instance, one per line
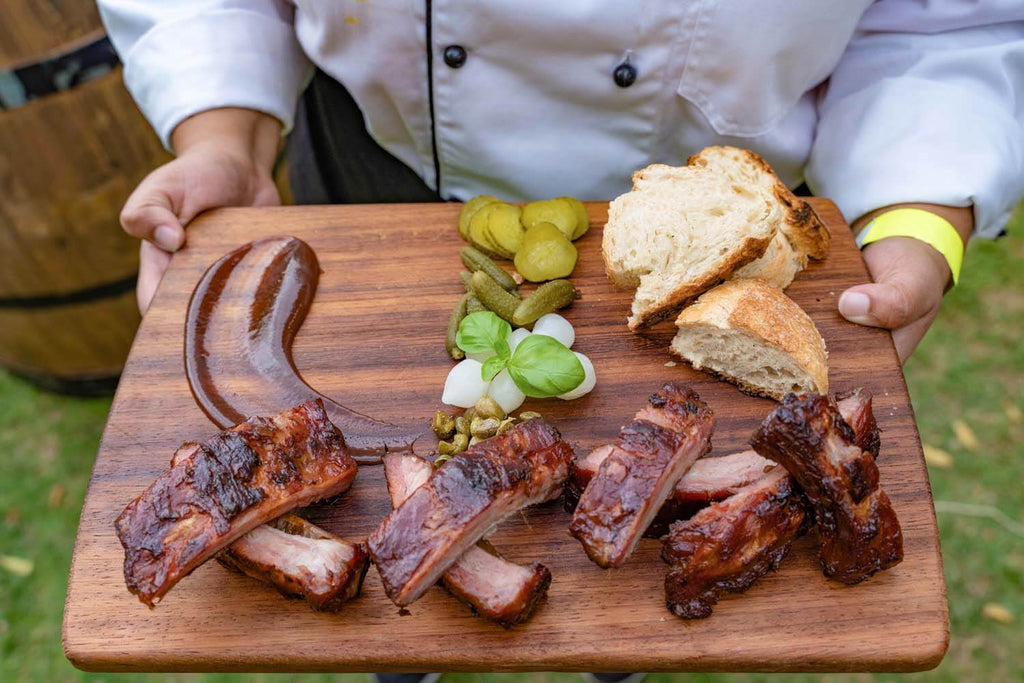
(922, 225)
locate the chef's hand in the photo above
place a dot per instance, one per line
(910, 277)
(224, 158)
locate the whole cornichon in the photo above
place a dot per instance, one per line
(493, 296)
(549, 297)
(476, 260)
(458, 313)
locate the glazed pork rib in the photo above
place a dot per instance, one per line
(639, 473)
(495, 588)
(716, 478)
(475, 490)
(859, 532)
(301, 560)
(219, 490)
(728, 546)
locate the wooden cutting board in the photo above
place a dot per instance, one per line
(373, 340)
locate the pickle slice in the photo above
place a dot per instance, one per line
(558, 212)
(470, 208)
(546, 254)
(504, 229)
(478, 235)
(582, 220)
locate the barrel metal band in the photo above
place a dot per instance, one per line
(107, 290)
(28, 82)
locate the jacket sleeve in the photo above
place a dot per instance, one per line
(927, 105)
(187, 56)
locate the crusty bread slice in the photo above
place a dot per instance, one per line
(679, 232)
(779, 264)
(807, 235)
(750, 333)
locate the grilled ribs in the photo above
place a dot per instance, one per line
(301, 560)
(217, 491)
(495, 588)
(475, 490)
(728, 546)
(859, 532)
(651, 454)
(716, 478)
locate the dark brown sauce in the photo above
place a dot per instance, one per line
(241, 322)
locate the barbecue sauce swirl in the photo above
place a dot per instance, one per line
(241, 322)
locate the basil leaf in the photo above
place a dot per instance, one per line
(542, 366)
(494, 365)
(481, 332)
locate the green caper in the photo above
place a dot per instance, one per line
(475, 440)
(484, 428)
(488, 407)
(443, 425)
(528, 415)
(460, 442)
(462, 424)
(441, 459)
(506, 424)
(445, 448)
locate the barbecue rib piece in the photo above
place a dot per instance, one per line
(716, 478)
(474, 490)
(301, 560)
(855, 408)
(709, 478)
(495, 588)
(219, 490)
(860, 534)
(728, 546)
(652, 453)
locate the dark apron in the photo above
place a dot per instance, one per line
(333, 160)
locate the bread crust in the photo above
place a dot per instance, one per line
(757, 308)
(752, 248)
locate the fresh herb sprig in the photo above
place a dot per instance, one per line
(541, 366)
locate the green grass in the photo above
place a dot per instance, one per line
(970, 367)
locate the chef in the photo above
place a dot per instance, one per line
(908, 114)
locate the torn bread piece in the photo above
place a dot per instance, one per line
(803, 232)
(750, 333)
(679, 232)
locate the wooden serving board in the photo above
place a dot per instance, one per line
(373, 340)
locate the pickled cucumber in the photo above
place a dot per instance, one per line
(496, 229)
(493, 296)
(469, 209)
(549, 297)
(458, 313)
(558, 212)
(476, 260)
(582, 220)
(546, 254)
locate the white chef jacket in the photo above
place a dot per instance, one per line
(871, 103)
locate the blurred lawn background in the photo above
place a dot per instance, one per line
(965, 381)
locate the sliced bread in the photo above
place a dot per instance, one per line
(680, 231)
(806, 234)
(750, 333)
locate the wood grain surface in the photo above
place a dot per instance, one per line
(373, 341)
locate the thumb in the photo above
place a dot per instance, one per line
(149, 215)
(883, 304)
(909, 280)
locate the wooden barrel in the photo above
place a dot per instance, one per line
(72, 147)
